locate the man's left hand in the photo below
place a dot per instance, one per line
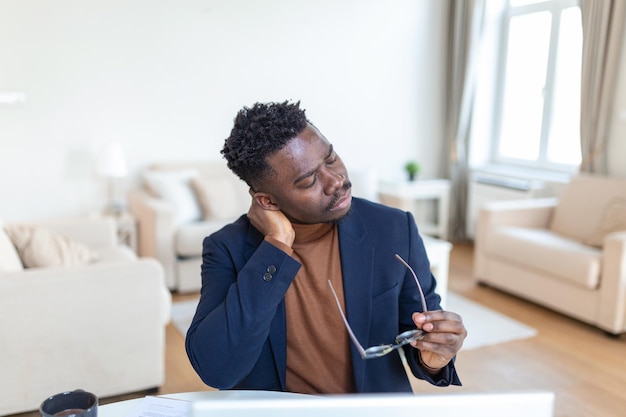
(444, 337)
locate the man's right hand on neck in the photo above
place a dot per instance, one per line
(271, 223)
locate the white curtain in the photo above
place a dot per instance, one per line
(603, 30)
(464, 27)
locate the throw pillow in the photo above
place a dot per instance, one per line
(613, 220)
(9, 258)
(218, 198)
(40, 247)
(175, 188)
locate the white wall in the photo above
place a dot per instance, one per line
(165, 78)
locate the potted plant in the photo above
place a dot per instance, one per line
(412, 168)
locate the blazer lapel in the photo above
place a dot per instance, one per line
(357, 259)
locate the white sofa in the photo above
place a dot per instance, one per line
(96, 324)
(567, 254)
(177, 206)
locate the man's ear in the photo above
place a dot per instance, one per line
(265, 201)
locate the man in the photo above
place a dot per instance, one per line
(267, 318)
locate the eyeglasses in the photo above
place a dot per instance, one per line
(401, 339)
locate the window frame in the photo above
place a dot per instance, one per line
(555, 8)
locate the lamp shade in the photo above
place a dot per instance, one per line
(112, 162)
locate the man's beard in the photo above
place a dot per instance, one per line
(340, 219)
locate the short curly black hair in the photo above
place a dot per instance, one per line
(258, 132)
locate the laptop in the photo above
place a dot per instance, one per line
(534, 404)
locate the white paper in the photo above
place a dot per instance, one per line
(161, 407)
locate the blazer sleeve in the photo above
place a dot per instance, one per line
(418, 259)
(239, 300)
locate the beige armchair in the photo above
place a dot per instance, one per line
(177, 206)
(96, 322)
(567, 254)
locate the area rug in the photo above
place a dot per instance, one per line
(485, 326)
(182, 314)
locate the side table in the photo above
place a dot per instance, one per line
(127, 230)
(126, 225)
(404, 195)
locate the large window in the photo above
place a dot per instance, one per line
(537, 95)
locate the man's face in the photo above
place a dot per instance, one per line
(310, 184)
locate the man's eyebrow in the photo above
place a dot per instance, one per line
(311, 172)
(330, 151)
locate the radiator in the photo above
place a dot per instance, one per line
(485, 188)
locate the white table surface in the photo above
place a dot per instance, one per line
(515, 404)
(121, 408)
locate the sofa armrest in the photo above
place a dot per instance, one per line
(533, 212)
(153, 216)
(156, 229)
(612, 303)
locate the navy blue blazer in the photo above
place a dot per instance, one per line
(237, 339)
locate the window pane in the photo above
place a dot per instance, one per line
(522, 107)
(515, 3)
(564, 139)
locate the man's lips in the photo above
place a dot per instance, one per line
(342, 202)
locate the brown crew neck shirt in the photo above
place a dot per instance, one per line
(318, 345)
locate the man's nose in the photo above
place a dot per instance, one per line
(334, 181)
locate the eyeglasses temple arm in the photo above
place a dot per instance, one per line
(419, 287)
(345, 322)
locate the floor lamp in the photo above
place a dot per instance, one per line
(112, 166)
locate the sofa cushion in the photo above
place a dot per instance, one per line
(189, 237)
(117, 253)
(613, 220)
(40, 247)
(221, 197)
(541, 250)
(174, 186)
(582, 204)
(9, 258)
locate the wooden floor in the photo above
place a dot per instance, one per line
(585, 368)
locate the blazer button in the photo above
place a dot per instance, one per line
(271, 269)
(267, 277)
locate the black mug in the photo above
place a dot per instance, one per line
(78, 403)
